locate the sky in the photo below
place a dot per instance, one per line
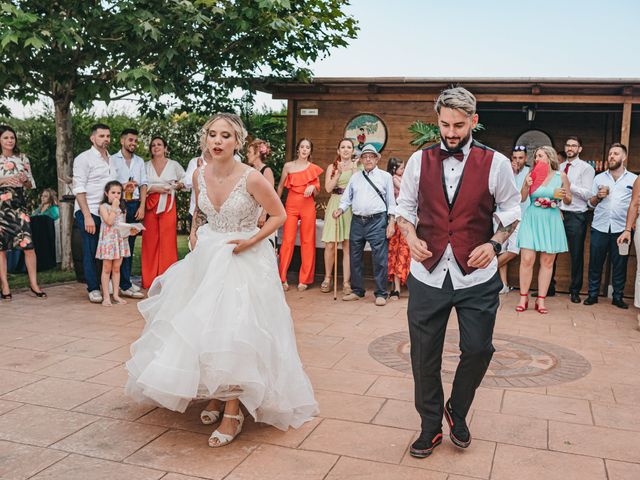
(491, 38)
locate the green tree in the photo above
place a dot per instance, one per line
(166, 53)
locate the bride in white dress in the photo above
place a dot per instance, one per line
(217, 323)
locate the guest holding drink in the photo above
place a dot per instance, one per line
(159, 242)
(335, 181)
(611, 198)
(541, 229)
(132, 174)
(302, 180)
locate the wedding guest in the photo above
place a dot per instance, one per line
(633, 222)
(610, 201)
(132, 174)
(302, 180)
(15, 229)
(510, 248)
(335, 181)
(445, 210)
(574, 214)
(399, 255)
(541, 229)
(369, 194)
(48, 204)
(159, 241)
(92, 169)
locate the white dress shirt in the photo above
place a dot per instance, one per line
(188, 181)
(91, 173)
(363, 199)
(135, 170)
(580, 175)
(170, 175)
(501, 185)
(519, 178)
(610, 215)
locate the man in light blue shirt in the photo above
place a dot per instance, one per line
(370, 196)
(611, 198)
(131, 173)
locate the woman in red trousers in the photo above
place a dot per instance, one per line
(159, 243)
(302, 180)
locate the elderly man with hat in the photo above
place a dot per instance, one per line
(370, 196)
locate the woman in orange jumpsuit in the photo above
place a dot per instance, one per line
(302, 180)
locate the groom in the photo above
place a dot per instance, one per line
(447, 202)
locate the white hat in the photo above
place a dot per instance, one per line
(368, 148)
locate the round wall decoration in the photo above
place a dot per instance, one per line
(366, 128)
(533, 139)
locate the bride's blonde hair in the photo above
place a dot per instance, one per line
(233, 120)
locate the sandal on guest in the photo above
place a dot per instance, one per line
(285, 286)
(394, 295)
(209, 417)
(325, 286)
(6, 296)
(539, 309)
(39, 294)
(346, 288)
(302, 287)
(522, 308)
(224, 439)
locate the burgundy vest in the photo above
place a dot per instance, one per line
(468, 221)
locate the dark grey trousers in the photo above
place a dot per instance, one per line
(428, 311)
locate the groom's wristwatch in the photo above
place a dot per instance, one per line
(497, 247)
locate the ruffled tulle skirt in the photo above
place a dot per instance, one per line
(218, 326)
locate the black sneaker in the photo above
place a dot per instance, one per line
(425, 444)
(459, 432)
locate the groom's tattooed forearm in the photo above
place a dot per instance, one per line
(509, 228)
(405, 226)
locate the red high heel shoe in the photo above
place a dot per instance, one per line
(522, 308)
(541, 310)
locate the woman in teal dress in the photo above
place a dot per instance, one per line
(542, 229)
(48, 205)
(338, 174)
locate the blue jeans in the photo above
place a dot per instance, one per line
(89, 247)
(373, 230)
(125, 268)
(601, 245)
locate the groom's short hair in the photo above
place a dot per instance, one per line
(456, 98)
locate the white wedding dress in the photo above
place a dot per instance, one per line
(218, 325)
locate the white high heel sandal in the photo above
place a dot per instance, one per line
(209, 417)
(224, 439)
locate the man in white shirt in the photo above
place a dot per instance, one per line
(510, 248)
(370, 195)
(92, 169)
(445, 211)
(611, 198)
(132, 174)
(574, 215)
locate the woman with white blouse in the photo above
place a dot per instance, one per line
(159, 243)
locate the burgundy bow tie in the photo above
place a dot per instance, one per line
(444, 154)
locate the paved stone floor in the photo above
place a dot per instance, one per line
(63, 414)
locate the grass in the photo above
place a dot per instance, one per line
(21, 280)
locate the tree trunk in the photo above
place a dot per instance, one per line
(64, 159)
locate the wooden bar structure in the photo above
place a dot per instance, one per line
(600, 111)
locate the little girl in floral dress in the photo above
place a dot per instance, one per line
(112, 246)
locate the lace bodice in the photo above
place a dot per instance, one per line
(238, 213)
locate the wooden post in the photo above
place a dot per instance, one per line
(625, 131)
(291, 129)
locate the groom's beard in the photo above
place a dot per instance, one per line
(458, 147)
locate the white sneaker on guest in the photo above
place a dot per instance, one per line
(135, 287)
(505, 290)
(95, 296)
(131, 293)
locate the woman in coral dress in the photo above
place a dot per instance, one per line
(302, 180)
(159, 240)
(217, 323)
(399, 256)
